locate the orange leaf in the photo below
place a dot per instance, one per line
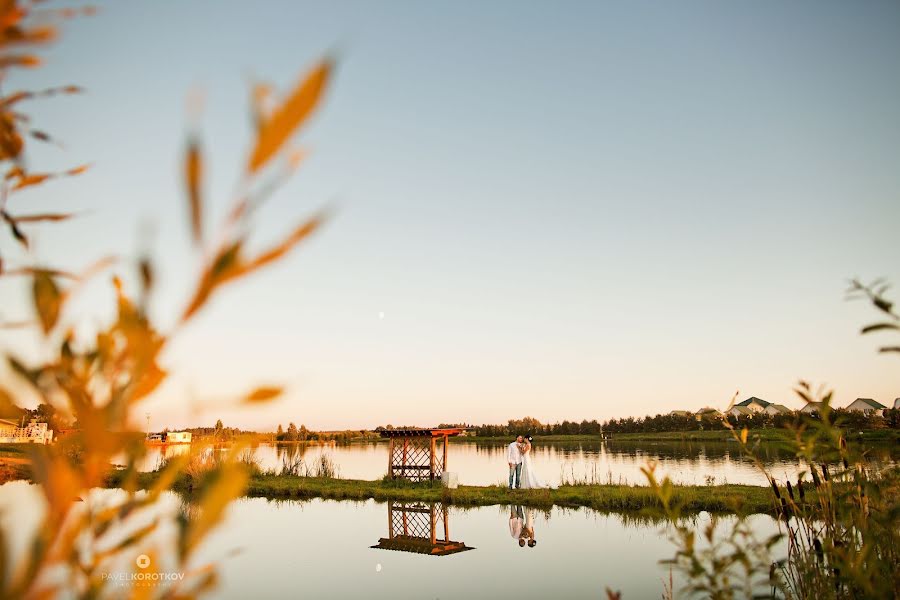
(77, 170)
(20, 60)
(193, 172)
(276, 252)
(286, 118)
(47, 300)
(33, 179)
(43, 217)
(263, 394)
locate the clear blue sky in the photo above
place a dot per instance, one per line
(565, 210)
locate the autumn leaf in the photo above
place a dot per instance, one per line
(20, 60)
(17, 233)
(193, 173)
(43, 217)
(32, 179)
(263, 394)
(303, 231)
(285, 119)
(47, 300)
(77, 170)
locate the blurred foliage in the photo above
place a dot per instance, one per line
(98, 380)
(839, 521)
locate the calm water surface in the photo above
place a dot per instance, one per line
(323, 549)
(616, 462)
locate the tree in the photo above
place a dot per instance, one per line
(292, 433)
(279, 435)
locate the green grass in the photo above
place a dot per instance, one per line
(607, 498)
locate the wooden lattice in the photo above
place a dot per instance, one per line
(414, 458)
(421, 528)
(418, 520)
(413, 453)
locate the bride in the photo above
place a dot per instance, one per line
(530, 479)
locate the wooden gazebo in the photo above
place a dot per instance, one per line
(416, 526)
(413, 453)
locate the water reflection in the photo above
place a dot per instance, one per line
(481, 463)
(420, 528)
(521, 525)
(321, 549)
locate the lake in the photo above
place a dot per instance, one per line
(480, 463)
(323, 549)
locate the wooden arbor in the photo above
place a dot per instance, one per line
(415, 527)
(413, 452)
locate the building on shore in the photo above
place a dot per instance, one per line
(741, 411)
(777, 409)
(169, 437)
(811, 407)
(33, 433)
(754, 404)
(867, 406)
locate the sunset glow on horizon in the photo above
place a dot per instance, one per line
(534, 212)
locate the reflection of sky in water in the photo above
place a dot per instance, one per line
(322, 549)
(485, 464)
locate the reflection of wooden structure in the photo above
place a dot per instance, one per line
(413, 452)
(414, 527)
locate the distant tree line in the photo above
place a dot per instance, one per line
(302, 434)
(677, 422)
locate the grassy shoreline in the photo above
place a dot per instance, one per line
(721, 499)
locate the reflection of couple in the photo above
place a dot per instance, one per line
(522, 528)
(521, 471)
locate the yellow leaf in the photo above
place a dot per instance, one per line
(744, 435)
(43, 217)
(276, 252)
(263, 394)
(285, 119)
(193, 173)
(29, 180)
(47, 300)
(78, 170)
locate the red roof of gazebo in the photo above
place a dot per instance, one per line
(433, 432)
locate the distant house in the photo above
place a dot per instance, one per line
(867, 406)
(178, 437)
(33, 433)
(896, 403)
(737, 410)
(754, 404)
(811, 407)
(707, 412)
(8, 427)
(687, 413)
(777, 409)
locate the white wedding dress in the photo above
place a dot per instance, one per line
(530, 479)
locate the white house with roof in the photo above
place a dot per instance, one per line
(896, 403)
(178, 437)
(33, 433)
(867, 406)
(737, 411)
(754, 404)
(777, 409)
(811, 407)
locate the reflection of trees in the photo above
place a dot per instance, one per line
(290, 452)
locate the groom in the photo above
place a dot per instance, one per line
(514, 458)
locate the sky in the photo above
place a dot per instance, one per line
(562, 210)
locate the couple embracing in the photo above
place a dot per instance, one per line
(521, 471)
